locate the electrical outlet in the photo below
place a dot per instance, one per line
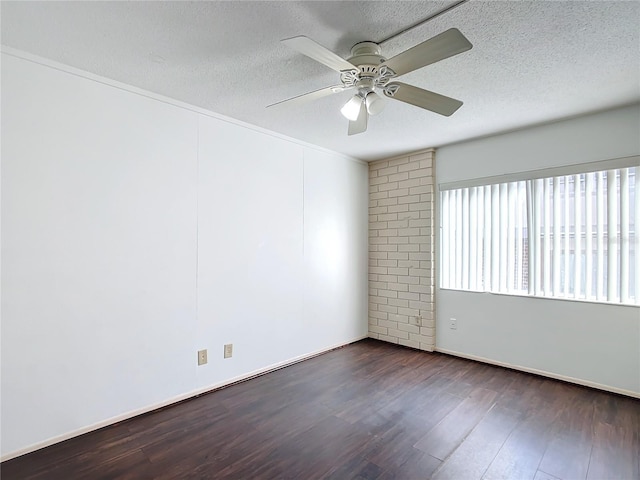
(202, 357)
(453, 324)
(417, 320)
(228, 350)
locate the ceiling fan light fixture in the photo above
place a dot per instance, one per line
(367, 71)
(351, 109)
(374, 103)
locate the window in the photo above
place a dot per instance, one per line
(568, 236)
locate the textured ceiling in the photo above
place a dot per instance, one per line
(532, 61)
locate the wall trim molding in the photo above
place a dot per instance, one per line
(175, 400)
(543, 373)
(45, 62)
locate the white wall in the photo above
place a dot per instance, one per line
(590, 343)
(136, 231)
(334, 264)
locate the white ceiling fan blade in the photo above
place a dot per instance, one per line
(422, 98)
(308, 97)
(319, 53)
(360, 123)
(442, 46)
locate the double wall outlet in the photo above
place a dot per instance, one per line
(228, 350)
(453, 324)
(202, 357)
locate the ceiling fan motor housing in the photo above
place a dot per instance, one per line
(366, 56)
(366, 53)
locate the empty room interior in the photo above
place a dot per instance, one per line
(320, 239)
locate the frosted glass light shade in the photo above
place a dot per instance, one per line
(375, 104)
(351, 109)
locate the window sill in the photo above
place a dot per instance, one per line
(538, 297)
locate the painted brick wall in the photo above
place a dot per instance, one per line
(401, 250)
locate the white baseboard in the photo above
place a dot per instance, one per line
(170, 401)
(543, 373)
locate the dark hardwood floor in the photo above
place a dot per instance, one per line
(366, 411)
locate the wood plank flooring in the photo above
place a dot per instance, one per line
(370, 410)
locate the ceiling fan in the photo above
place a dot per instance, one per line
(368, 71)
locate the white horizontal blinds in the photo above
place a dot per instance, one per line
(569, 236)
